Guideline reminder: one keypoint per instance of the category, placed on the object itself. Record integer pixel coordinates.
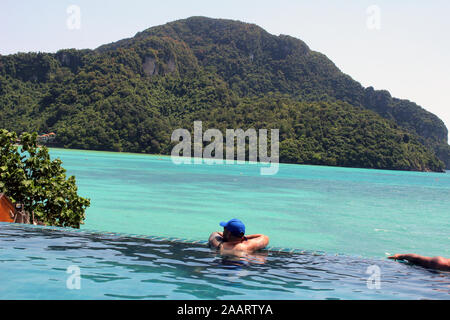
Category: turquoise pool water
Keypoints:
(35, 261)
(359, 212)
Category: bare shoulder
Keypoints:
(240, 246)
(233, 248)
(440, 260)
(440, 263)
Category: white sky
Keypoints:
(408, 55)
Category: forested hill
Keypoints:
(130, 95)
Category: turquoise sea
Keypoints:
(361, 212)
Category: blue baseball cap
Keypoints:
(235, 226)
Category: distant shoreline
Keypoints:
(246, 161)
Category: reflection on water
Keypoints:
(36, 262)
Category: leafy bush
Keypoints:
(28, 176)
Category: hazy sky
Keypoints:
(402, 46)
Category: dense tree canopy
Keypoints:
(29, 177)
(130, 96)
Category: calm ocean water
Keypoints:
(346, 219)
(361, 212)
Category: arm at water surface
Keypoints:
(215, 239)
(438, 263)
(256, 242)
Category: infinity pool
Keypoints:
(34, 264)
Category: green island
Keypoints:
(130, 95)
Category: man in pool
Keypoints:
(438, 263)
(233, 239)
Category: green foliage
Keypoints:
(130, 95)
(28, 176)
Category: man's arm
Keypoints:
(253, 236)
(413, 258)
(427, 262)
(256, 242)
(215, 239)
